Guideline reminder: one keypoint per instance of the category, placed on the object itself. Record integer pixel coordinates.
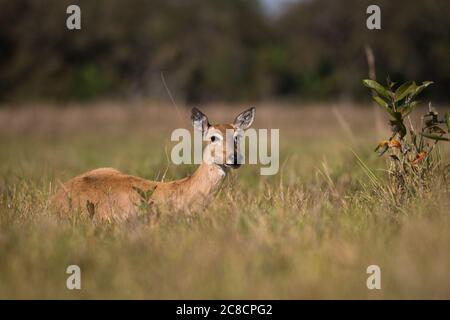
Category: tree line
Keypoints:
(210, 50)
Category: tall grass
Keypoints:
(309, 232)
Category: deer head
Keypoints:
(223, 140)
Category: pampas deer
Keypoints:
(108, 193)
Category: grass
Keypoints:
(309, 232)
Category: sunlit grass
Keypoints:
(308, 232)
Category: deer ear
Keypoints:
(199, 120)
(245, 119)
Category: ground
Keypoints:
(310, 231)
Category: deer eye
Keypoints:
(213, 138)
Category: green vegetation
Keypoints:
(308, 232)
(414, 157)
(216, 50)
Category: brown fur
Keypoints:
(114, 194)
(106, 193)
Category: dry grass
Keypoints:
(308, 232)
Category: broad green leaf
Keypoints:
(419, 89)
(381, 102)
(434, 137)
(372, 84)
(384, 104)
(404, 90)
(390, 83)
(410, 107)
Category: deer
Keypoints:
(107, 193)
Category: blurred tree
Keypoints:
(325, 40)
(216, 50)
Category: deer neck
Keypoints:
(205, 181)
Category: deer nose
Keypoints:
(234, 160)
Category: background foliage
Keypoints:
(216, 50)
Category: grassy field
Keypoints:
(308, 232)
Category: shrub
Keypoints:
(413, 156)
